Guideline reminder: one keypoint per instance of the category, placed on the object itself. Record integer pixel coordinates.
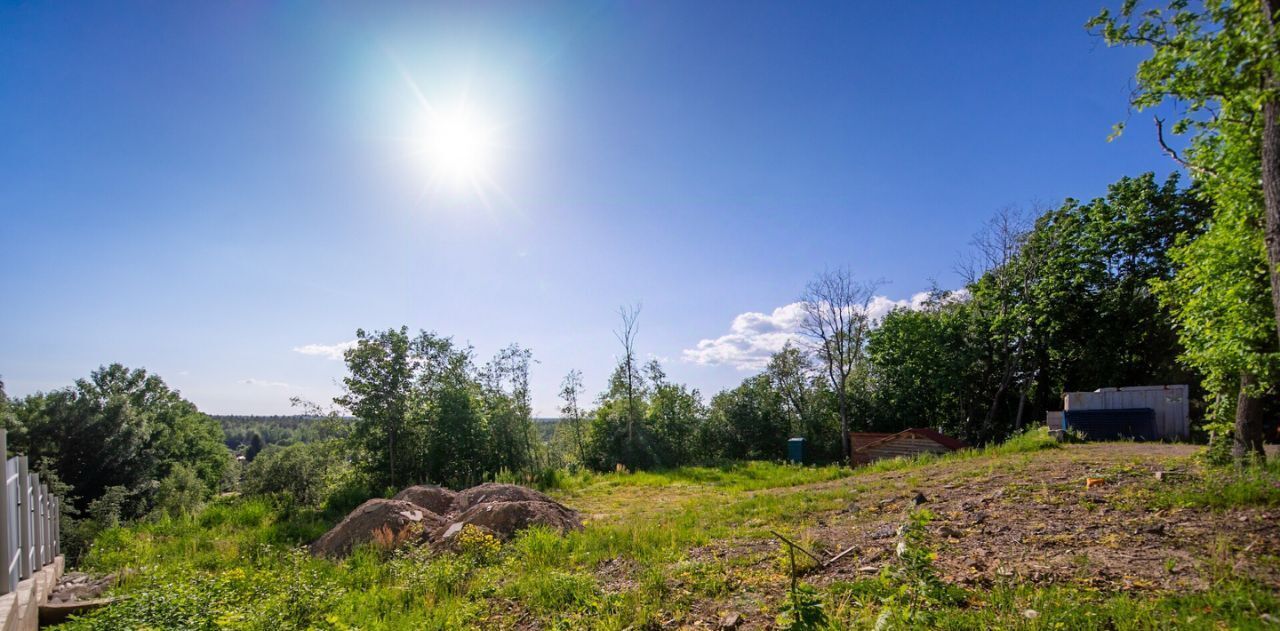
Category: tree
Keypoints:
(508, 410)
(837, 322)
(628, 372)
(305, 473)
(379, 391)
(1218, 63)
(747, 422)
(673, 414)
(1219, 300)
(570, 390)
(1000, 274)
(806, 401)
(122, 428)
(255, 447)
(926, 370)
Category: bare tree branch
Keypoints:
(1169, 151)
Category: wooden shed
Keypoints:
(909, 442)
(1169, 403)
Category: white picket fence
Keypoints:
(29, 522)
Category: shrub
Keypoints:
(302, 473)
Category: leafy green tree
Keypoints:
(508, 410)
(572, 412)
(119, 427)
(748, 422)
(180, 492)
(1217, 63)
(254, 448)
(673, 414)
(304, 473)
(1094, 318)
(808, 403)
(924, 365)
(379, 391)
(1225, 322)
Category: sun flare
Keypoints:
(459, 145)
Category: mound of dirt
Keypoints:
(494, 492)
(503, 519)
(433, 498)
(360, 525)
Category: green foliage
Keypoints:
(180, 493)
(1223, 487)
(425, 413)
(304, 473)
(119, 428)
(1216, 62)
(1063, 304)
(803, 609)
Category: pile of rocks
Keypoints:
(435, 515)
(76, 593)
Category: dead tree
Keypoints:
(836, 321)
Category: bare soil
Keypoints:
(1022, 519)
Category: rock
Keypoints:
(493, 492)
(919, 499)
(731, 620)
(360, 525)
(433, 498)
(504, 519)
(883, 532)
(56, 613)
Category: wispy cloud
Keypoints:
(262, 383)
(330, 351)
(753, 336)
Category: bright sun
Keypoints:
(459, 145)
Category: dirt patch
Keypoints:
(1040, 524)
(1018, 519)
(433, 498)
(396, 516)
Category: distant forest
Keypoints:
(238, 430)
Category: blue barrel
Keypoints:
(795, 450)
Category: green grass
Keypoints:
(1222, 488)
(643, 560)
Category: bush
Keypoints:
(180, 493)
(302, 473)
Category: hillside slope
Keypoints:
(1019, 542)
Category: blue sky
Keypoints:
(218, 191)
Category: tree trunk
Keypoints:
(1271, 176)
(844, 426)
(1248, 430)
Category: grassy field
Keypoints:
(1009, 538)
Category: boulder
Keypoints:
(360, 525)
(505, 518)
(433, 498)
(494, 492)
(52, 613)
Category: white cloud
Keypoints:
(754, 336)
(261, 383)
(330, 351)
